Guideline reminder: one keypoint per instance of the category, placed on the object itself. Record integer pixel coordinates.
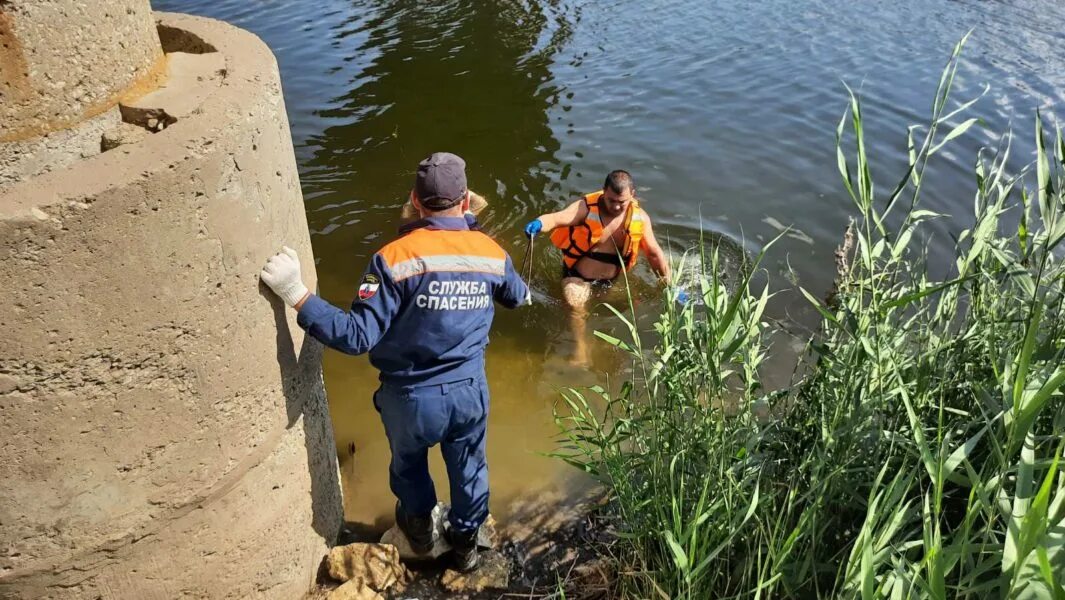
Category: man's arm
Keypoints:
(355, 331)
(513, 292)
(655, 256)
(573, 214)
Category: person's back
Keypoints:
(449, 279)
(422, 311)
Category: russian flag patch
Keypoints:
(369, 286)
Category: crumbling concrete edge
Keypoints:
(244, 53)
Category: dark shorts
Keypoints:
(571, 272)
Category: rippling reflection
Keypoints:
(463, 76)
(725, 112)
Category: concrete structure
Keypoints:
(165, 432)
(64, 66)
(62, 61)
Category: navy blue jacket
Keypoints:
(425, 304)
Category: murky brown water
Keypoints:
(724, 112)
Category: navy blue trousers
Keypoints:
(454, 415)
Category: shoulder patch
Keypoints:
(369, 286)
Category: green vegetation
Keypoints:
(917, 454)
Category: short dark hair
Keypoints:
(619, 181)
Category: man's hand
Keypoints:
(282, 275)
(534, 227)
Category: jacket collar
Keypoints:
(442, 223)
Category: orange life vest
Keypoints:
(578, 240)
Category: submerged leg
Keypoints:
(576, 292)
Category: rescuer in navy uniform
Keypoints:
(422, 311)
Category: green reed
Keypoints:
(917, 453)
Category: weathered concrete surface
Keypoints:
(165, 430)
(64, 61)
(56, 150)
(64, 67)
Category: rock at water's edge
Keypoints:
(374, 565)
(493, 573)
(396, 537)
(354, 590)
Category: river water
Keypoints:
(724, 112)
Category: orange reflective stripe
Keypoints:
(434, 242)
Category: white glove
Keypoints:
(282, 274)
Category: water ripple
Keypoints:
(725, 108)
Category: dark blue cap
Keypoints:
(441, 181)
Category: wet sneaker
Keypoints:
(464, 550)
(418, 529)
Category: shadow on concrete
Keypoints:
(304, 389)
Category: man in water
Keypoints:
(422, 311)
(600, 236)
